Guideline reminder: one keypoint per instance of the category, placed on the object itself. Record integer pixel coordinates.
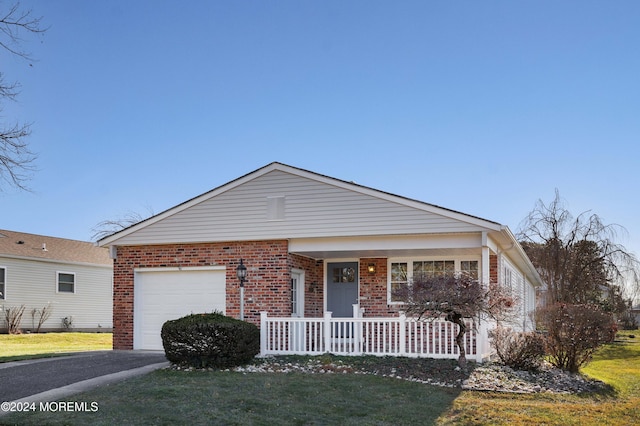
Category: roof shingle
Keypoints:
(20, 244)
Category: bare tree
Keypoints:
(455, 297)
(111, 226)
(578, 257)
(16, 159)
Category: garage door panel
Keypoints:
(165, 295)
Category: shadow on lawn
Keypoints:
(619, 349)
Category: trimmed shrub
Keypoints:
(210, 340)
(518, 350)
(574, 333)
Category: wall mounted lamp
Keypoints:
(241, 273)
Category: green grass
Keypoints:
(169, 397)
(230, 398)
(15, 347)
(617, 364)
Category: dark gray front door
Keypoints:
(342, 288)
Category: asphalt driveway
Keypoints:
(54, 378)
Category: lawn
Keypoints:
(15, 347)
(234, 398)
(617, 364)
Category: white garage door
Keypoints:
(162, 295)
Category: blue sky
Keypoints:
(479, 106)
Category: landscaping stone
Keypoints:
(480, 377)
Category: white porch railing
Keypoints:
(398, 336)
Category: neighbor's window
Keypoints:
(66, 282)
(402, 272)
(2, 283)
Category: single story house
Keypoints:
(72, 279)
(322, 256)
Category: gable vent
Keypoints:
(275, 208)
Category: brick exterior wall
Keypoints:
(268, 285)
(493, 268)
(313, 284)
(267, 265)
(373, 287)
(373, 290)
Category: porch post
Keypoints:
(482, 336)
(402, 323)
(357, 330)
(263, 333)
(327, 331)
(356, 310)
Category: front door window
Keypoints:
(342, 288)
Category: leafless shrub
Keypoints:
(518, 350)
(455, 297)
(574, 333)
(13, 318)
(41, 315)
(67, 323)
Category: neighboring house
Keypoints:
(635, 313)
(73, 279)
(316, 249)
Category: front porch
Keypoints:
(388, 336)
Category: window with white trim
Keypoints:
(66, 282)
(470, 268)
(3, 275)
(401, 272)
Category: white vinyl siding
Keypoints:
(513, 281)
(280, 205)
(529, 305)
(34, 284)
